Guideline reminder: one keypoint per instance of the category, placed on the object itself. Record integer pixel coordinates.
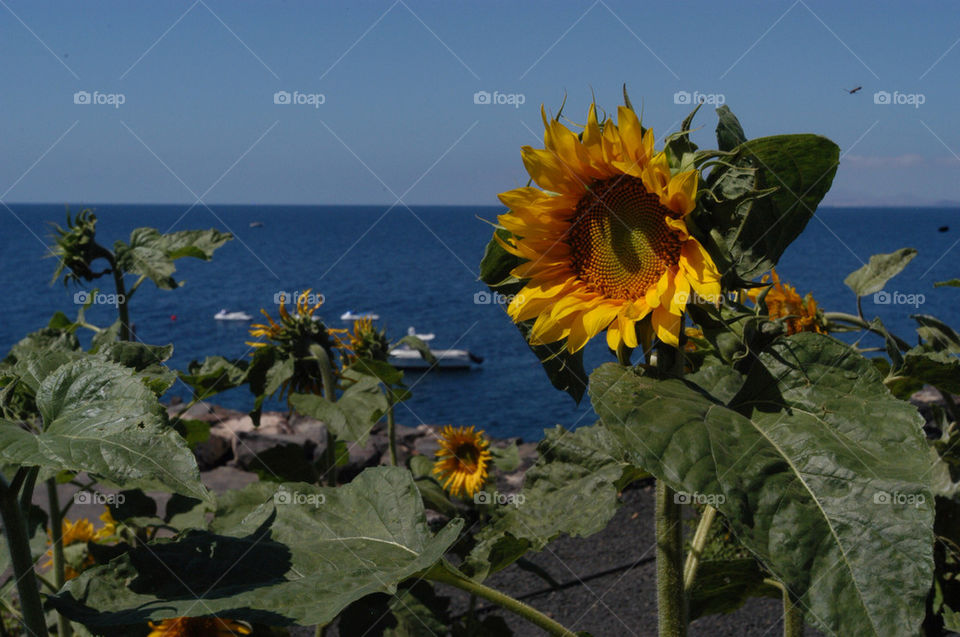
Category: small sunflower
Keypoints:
(293, 337)
(783, 301)
(366, 341)
(198, 627)
(463, 459)
(79, 533)
(605, 240)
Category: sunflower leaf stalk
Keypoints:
(18, 544)
(56, 538)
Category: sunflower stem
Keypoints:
(59, 564)
(669, 535)
(18, 544)
(123, 311)
(697, 545)
(792, 616)
(623, 354)
(671, 599)
(446, 575)
(391, 429)
(330, 393)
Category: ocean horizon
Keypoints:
(417, 267)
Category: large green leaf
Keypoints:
(565, 370)
(353, 414)
(152, 254)
(572, 490)
(881, 268)
(821, 473)
(300, 557)
(755, 231)
(99, 417)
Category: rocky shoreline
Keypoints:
(234, 442)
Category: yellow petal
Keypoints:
(666, 326)
(682, 192)
(549, 172)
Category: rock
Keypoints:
(363, 456)
(213, 452)
(223, 479)
(252, 444)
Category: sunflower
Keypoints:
(198, 627)
(605, 240)
(77, 533)
(292, 338)
(783, 301)
(366, 341)
(462, 460)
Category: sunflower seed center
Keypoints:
(620, 242)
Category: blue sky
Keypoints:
(398, 118)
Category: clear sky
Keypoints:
(397, 82)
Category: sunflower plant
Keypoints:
(648, 246)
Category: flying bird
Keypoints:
(853, 90)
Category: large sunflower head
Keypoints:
(293, 337)
(801, 314)
(462, 460)
(198, 627)
(75, 536)
(605, 241)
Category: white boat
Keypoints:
(224, 315)
(408, 358)
(350, 315)
(422, 337)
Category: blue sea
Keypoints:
(419, 267)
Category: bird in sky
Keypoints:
(853, 90)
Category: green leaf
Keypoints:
(572, 490)
(100, 418)
(148, 360)
(416, 343)
(937, 334)
(565, 370)
(505, 459)
(880, 269)
(821, 473)
(214, 375)
(152, 254)
(753, 229)
(354, 413)
(415, 611)
(951, 283)
(922, 366)
(300, 558)
(723, 586)
(729, 131)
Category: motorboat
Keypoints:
(224, 315)
(423, 337)
(406, 357)
(350, 315)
